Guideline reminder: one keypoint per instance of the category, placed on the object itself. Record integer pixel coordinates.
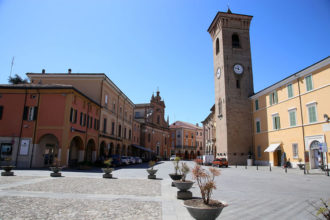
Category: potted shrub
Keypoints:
(151, 170)
(7, 168)
(56, 168)
(300, 165)
(176, 176)
(183, 185)
(107, 170)
(205, 208)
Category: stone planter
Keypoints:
(56, 171)
(175, 177)
(183, 187)
(7, 170)
(198, 210)
(107, 172)
(152, 173)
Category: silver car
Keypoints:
(125, 160)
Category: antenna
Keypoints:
(12, 64)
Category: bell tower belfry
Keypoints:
(233, 85)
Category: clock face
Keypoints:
(238, 69)
(218, 73)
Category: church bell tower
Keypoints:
(233, 85)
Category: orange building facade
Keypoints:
(39, 123)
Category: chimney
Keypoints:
(69, 71)
(43, 71)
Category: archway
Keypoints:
(46, 151)
(75, 155)
(111, 149)
(90, 148)
(123, 150)
(118, 149)
(186, 155)
(103, 148)
(192, 155)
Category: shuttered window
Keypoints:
(256, 102)
(290, 91)
(293, 120)
(309, 83)
(258, 126)
(1, 112)
(312, 113)
(276, 122)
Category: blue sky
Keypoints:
(145, 44)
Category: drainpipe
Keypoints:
(21, 129)
(98, 130)
(35, 129)
(302, 124)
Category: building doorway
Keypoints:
(316, 155)
(75, 146)
(278, 157)
(47, 151)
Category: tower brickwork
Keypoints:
(233, 85)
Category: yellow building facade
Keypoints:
(291, 119)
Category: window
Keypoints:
(95, 124)
(71, 115)
(85, 119)
(104, 125)
(258, 126)
(259, 151)
(273, 98)
(30, 113)
(114, 106)
(276, 122)
(75, 116)
(235, 41)
(129, 134)
(88, 121)
(217, 46)
(292, 116)
(91, 122)
(124, 132)
(158, 119)
(256, 104)
(290, 91)
(309, 83)
(6, 149)
(312, 117)
(81, 118)
(220, 108)
(295, 150)
(238, 84)
(149, 137)
(106, 99)
(112, 128)
(119, 131)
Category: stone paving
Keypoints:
(250, 193)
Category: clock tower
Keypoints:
(233, 85)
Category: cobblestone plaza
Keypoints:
(250, 193)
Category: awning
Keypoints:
(142, 148)
(272, 147)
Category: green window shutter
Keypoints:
(290, 91)
(274, 123)
(278, 122)
(309, 84)
(293, 118)
(312, 114)
(275, 97)
(270, 99)
(257, 104)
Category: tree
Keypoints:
(17, 80)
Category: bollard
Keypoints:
(327, 170)
(245, 166)
(286, 169)
(257, 166)
(304, 169)
(270, 167)
(236, 165)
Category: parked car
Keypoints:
(125, 160)
(172, 157)
(220, 162)
(116, 160)
(131, 160)
(138, 160)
